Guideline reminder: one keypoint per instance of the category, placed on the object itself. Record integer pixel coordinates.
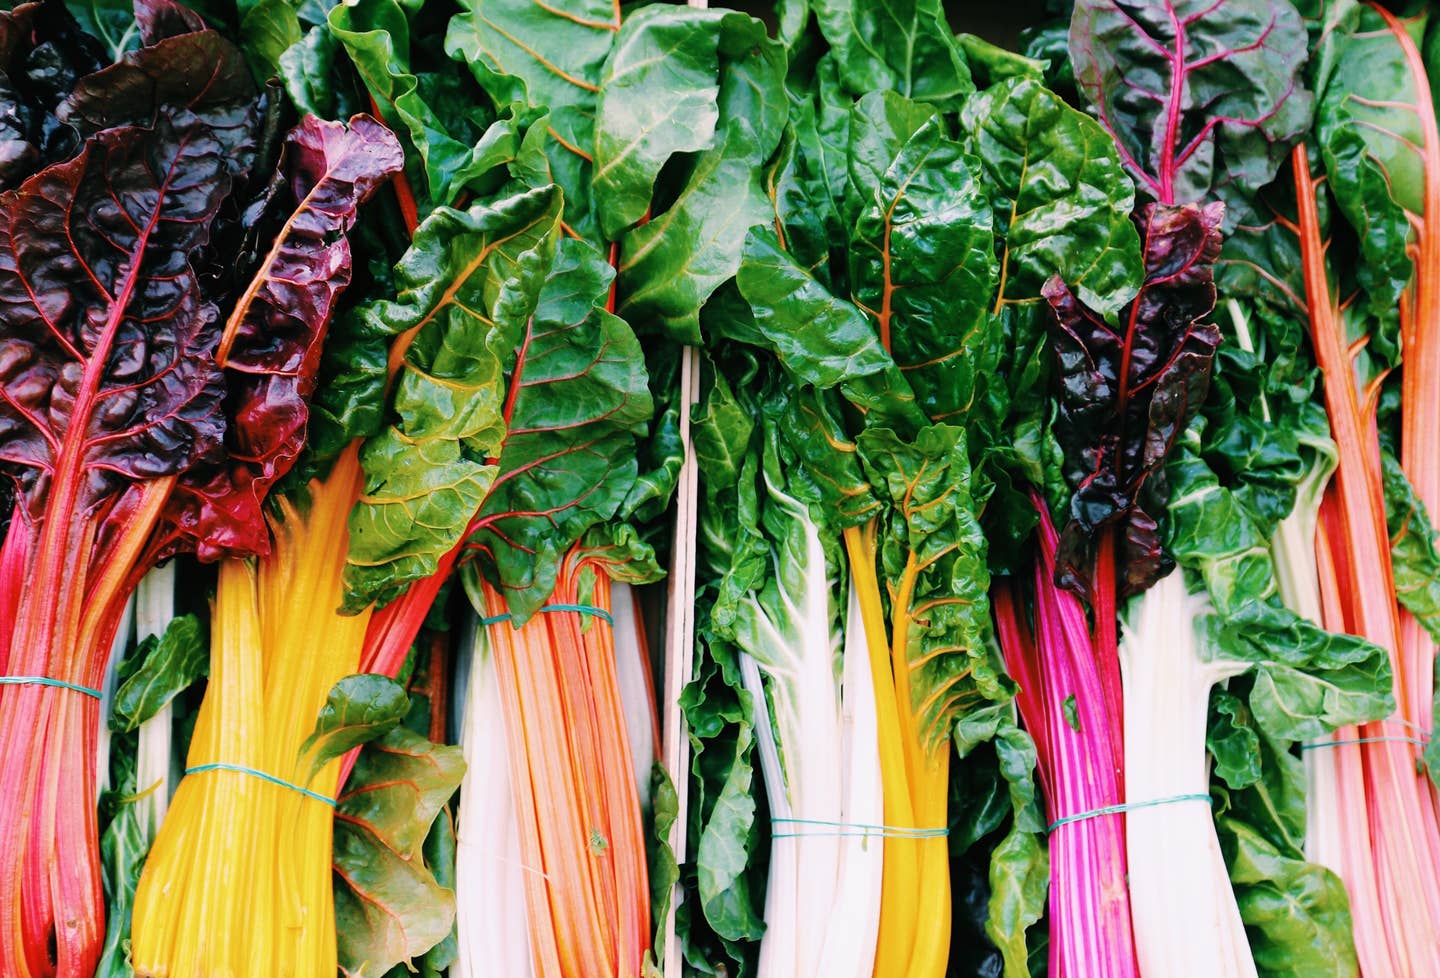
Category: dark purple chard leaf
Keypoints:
(270, 347)
(163, 75)
(1199, 94)
(94, 265)
(577, 400)
(1128, 392)
(43, 53)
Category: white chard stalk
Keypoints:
(490, 916)
(637, 691)
(819, 756)
(1186, 921)
(107, 697)
(154, 777)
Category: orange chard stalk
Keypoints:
(575, 796)
(1402, 916)
(1420, 377)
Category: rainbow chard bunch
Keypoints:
(1202, 100)
(149, 400)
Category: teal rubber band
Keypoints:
(238, 769)
(1366, 740)
(47, 681)
(584, 609)
(1128, 807)
(854, 829)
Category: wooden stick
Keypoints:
(680, 636)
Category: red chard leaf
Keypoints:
(1128, 392)
(43, 53)
(1198, 93)
(270, 347)
(162, 76)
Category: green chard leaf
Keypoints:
(578, 399)
(1370, 140)
(157, 671)
(1297, 914)
(1019, 864)
(902, 46)
(469, 285)
(550, 59)
(389, 905)
(670, 265)
(439, 119)
(932, 537)
(1307, 681)
(922, 259)
(821, 340)
(1062, 198)
(357, 710)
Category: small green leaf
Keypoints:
(357, 710)
(157, 671)
(1072, 715)
(389, 905)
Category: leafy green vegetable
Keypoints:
(1224, 110)
(157, 671)
(357, 710)
(389, 905)
(577, 400)
(469, 285)
(904, 47)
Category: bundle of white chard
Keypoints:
(815, 720)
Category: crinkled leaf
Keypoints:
(1307, 681)
(932, 533)
(1198, 94)
(578, 398)
(670, 265)
(94, 270)
(1019, 865)
(1062, 198)
(922, 258)
(1128, 392)
(547, 57)
(157, 671)
(43, 53)
(664, 871)
(1370, 140)
(658, 96)
(821, 340)
(719, 714)
(389, 907)
(376, 35)
(1296, 914)
(272, 340)
(1232, 740)
(1412, 548)
(811, 177)
(357, 710)
(903, 46)
(167, 74)
(469, 285)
